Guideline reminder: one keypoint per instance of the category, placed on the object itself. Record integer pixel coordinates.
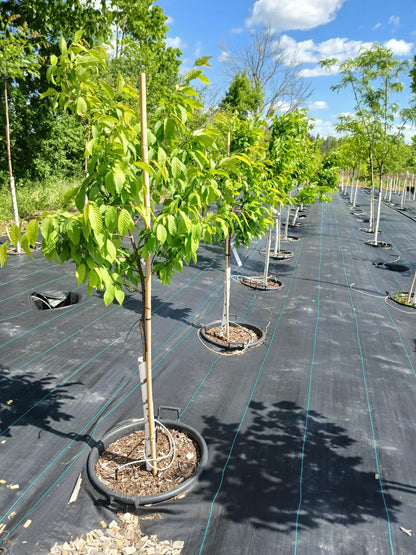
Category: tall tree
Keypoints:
(374, 77)
(17, 58)
(270, 65)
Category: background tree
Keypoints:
(17, 58)
(373, 76)
(242, 95)
(270, 66)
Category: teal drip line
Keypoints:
(23, 277)
(248, 403)
(67, 310)
(390, 316)
(309, 391)
(97, 415)
(31, 290)
(15, 316)
(366, 392)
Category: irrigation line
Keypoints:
(305, 431)
(97, 419)
(25, 276)
(366, 389)
(40, 285)
(230, 452)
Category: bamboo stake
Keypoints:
(227, 267)
(148, 276)
(9, 163)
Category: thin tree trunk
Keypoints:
(9, 163)
(147, 346)
(267, 258)
(409, 296)
(371, 223)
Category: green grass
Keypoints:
(34, 199)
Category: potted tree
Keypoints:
(141, 212)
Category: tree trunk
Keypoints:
(9, 163)
(147, 309)
(267, 257)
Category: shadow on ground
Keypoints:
(261, 483)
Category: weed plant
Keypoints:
(35, 198)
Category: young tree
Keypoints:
(242, 96)
(117, 239)
(18, 57)
(374, 79)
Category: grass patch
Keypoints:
(35, 198)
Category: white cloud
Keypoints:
(394, 20)
(294, 14)
(324, 128)
(377, 26)
(281, 107)
(318, 105)
(400, 47)
(175, 42)
(170, 21)
(310, 52)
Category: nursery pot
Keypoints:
(124, 430)
(258, 284)
(232, 346)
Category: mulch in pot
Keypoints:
(272, 283)
(134, 479)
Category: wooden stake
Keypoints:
(148, 275)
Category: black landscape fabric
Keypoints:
(311, 435)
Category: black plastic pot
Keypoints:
(258, 285)
(232, 346)
(381, 244)
(398, 300)
(280, 255)
(128, 428)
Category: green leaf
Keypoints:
(161, 234)
(109, 294)
(124, 222)
(93, 216)
(81, 108)
(120, 83)
(62, 45)
(3, 253)
(81, 273)
(111, 250)
(203, 61)
(169, 129)
(110, 218)
(15, 234)
(107, 89)
(119, 178)
(171, 222)
(32, 232)
(119, 295)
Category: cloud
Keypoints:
(286, 15)
(175, 42)
(324, 128)
(318, 105)
(400, 47)
(169, 21)
(394, 20)
(377, 26)
(310, 52)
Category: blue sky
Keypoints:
(315, 29)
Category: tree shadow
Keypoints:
(25, 400)
(261, 484)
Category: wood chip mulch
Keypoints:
(238, 334)
(118, 538)
(133, 479)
